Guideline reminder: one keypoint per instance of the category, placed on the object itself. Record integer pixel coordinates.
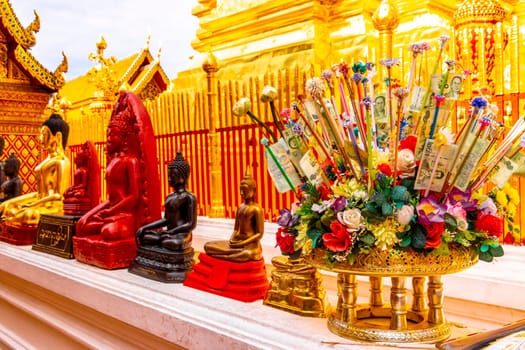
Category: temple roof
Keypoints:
(137, 70)
(17, 41)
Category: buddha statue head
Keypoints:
(247, 187)
(12, 166)
(54, 126)
(178, 171)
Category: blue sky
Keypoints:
(74, 26)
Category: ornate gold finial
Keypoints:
(210, 65)
(479, 11)
(148, 40)
(158, 54)
(101, 45)
(34, 26)
(386, 16)
(63, 67)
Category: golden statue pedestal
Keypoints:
(396, 321)
(296, 287)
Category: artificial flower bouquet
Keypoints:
(397, 180)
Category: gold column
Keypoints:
(376, 291)
(210, 66)
(436, 314)
(418, 290)
(385, 20)
(347, 293)
(398, 301)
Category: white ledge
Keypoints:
(93, 307)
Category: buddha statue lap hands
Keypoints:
(244, 244)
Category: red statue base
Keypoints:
(243, 281)
(18, 235)
(77, 208)
(112, 255)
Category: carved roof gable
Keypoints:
(16, 62)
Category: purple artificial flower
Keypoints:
(356, 77)
(327, 74)
(463, 197)
(430, 211)
(479, 102)
(298, 129)
(286, 219)
(339, 204)
(389, 62)
(367, 102)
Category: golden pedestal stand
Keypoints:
(396, 321)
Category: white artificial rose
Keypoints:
(405, 214)
(351, 218)
(406, 163)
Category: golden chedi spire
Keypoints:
(479, 11)
(386, 16)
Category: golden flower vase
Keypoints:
(397, 321)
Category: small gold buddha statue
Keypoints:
(244, 243)
(52, 176)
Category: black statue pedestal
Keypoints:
(161, 264)
(54, 235)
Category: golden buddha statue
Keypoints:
(52, 176)
(244, 244)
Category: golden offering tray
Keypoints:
(396, 321)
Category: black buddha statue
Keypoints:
(164, 246)
(12, 186)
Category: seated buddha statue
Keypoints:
(244, 243)
(132, 183)
(180, 213)
(235, 268)
(164, 250)
(12, 186)
(52, 179)
(84, 194)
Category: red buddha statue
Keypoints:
(235, 268)
(165, 253)
(84, 194)
(105, 235)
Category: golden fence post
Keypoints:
(210, 66)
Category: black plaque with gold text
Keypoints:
(55, 235)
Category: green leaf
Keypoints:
(419, 239)
(400, 193)
(386, 209)
(314, 234)
(405, 242)
(484, 248)
(328, 217)
(450, 222)
(496, 251)
(368, 238)
(486, 256)
(380, 198)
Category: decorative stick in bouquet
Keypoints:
(315, 88)
(343, 69)
(349, 126)
(443, 39)
(401, 94)
(242, 107)
(509, 147)
(269, 94)
(416, 49)
(278, 164)
(478, 106)
(389, 63)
